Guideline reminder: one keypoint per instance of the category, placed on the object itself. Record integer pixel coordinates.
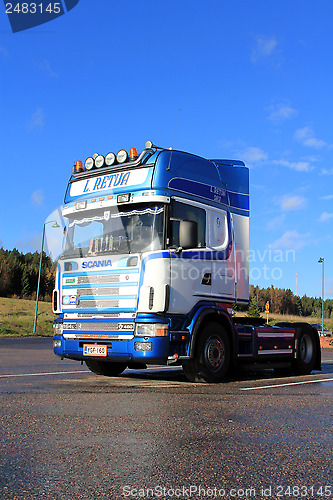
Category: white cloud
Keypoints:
(291, 240)
(328, 197)
(307, 137)
(276, 222)
(37, 120)
(325, 216)
(293, 202)
(265, 47)
(37, 198)
(253, 154)
(281, 112)
(299, 166)
(325, 171)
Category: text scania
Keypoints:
(96, 263)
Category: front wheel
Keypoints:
(306, 352)
(212, 356)
(105, 368)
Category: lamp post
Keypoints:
(322, 261)
(55, 224)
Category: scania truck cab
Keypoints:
(155, 255)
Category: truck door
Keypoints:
(223, 266)
(191, 269)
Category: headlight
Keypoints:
(57, 343)
(151, 330)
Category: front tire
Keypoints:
(212, 356)
(105, 368)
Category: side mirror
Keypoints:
(188, 234)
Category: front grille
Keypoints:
(102, 327)
(98, 291)
(99, 304)
(109, 278)
(104, 315)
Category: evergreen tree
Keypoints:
(253, 309)
(26, 289)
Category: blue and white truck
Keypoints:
(155, 256)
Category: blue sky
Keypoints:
(250, 80)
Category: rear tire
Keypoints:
(212, 356)
(306, 352)
(105, 368)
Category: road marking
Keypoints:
(287, 384)
(43, 373)
(40, 374)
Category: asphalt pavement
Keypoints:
(69, 434)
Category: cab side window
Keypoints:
(182, 211)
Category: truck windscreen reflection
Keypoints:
(114, 232)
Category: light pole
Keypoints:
(55, 224)
(322, 261)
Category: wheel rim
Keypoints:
(214, 354)
(306, 348)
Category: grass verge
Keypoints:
(17, 317)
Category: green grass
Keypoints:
(17, 318)
(276, 318)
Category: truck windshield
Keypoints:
(115, 231)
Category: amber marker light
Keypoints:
(78, 168)
(133, 154)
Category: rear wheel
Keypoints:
(306, 352)
(105, 368)
(212, 356)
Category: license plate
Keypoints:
(95, 350)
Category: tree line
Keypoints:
(19, 278)
(19, 275)
(283, 301)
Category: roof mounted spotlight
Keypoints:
(122, 156)
(150, 145)
(99, 161)
(110, 159)
(89, 163)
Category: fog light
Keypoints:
(143, 346)
(57, 344)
